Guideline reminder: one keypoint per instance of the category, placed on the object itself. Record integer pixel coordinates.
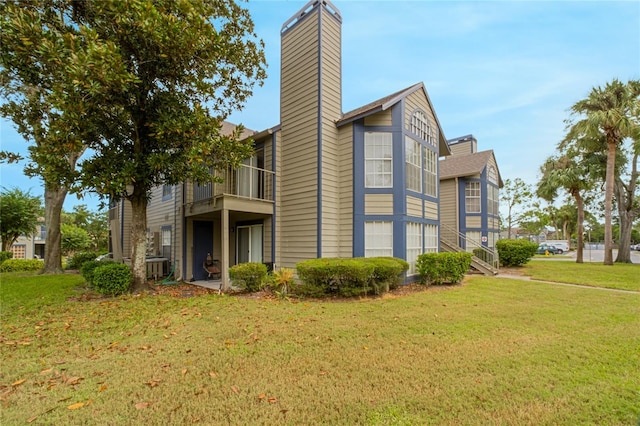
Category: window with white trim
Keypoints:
(430, 172)
(492, 175)
(430, 238)
(420, 125)
(414, 245)
(378, 238)
(472, 197)
(378, 160)
(493, 203)
(413, 164)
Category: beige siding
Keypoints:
(382, 118)
(345, 143)
(493, 223)
(463, 148)
(430, 210)
(414, 206)
(448, 203)
(298, 113)
(378, 204)
(331, 111)
(473, 222)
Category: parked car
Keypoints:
(546, 248)
(636, 247)
(105, 256)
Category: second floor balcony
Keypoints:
(246, 182)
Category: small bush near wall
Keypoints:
(439, 268)
(88, 268)
(79, 258)
(387, 273)
(14, 265)
(112, 279)
(248, 276)
(4, 255)
(346, 277)
(515, 252)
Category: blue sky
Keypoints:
(506, 72)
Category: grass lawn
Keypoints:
(624, 276)
(491, 351)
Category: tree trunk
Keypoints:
(608, 202)
(580, 248)
(626, 217)
(53, 201)
(139, 242)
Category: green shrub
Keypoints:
(79, 258)
(515, 252)
(346, 277)
(112, 278)
(248, 276)
(438, 268)
(387, 273)
(87, 269)
(14, 265)
(4, 255)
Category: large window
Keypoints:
(430, 173)
(493, 204)
(414, 244)
(378, 162)
(166, 242)
(472, 197)
(430, 238)
(413, 164)
(378, 238)
(420, 125)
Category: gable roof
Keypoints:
(387, 102)
(467, 165)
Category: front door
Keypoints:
(249, 244)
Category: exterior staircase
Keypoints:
(483, 259)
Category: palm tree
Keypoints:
(565, 172)
(608, 112)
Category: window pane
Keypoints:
(378, 239)
(378, 165)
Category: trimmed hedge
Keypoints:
(112, 279)
(79, 259)
(88, 268)
(248, 276)
(387, 273)
(515, 252)
(14, 265)
(349, 277)
(346, 277)
(438, 268)
(5, 255)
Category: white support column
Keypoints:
(225, 249)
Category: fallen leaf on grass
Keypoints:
(76, 406)
(47, 371)
(73, 380)
(262, 396)
(153, 383)
(102, 388)
(213, 374)
(141, 405)
(235, 390)
(18, 382)
(272, 400)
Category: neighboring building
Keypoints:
(322, 183)
(469, 199)
(32, 246)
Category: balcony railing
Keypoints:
(246, 182)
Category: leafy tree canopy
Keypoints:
(18, 215)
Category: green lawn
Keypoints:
(624, 276)
(491, 351)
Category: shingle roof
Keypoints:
(228, 128)
(465, 165)
(378, 105)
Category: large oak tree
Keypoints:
(178, 67)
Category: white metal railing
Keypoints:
(245, 182)
(460, 240)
